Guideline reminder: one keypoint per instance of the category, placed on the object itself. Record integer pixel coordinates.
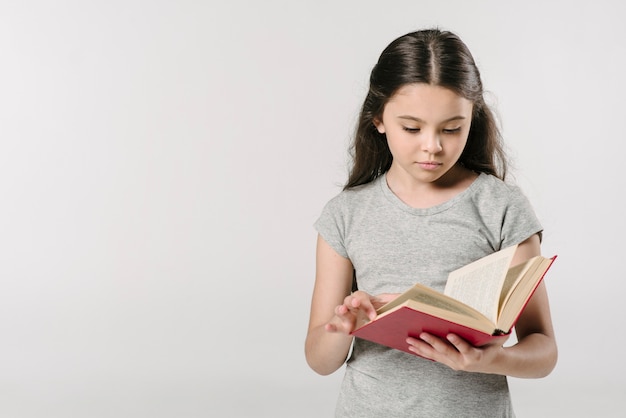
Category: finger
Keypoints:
(356, 299)
(459, 343)
(440, 345)
(344, 320)
(421, 348)
(385, 297)
(369, 311)
(341, 310)
(366, 304)
(361, 301)
(339, 325)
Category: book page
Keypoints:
(479, 284)
(532, 271)
(426, 295)
(446, 304)
(468, 318)
(427, 300)
(513, 277)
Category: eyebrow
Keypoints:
(415, 119)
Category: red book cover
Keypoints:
(393, 329)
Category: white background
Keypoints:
(162, 164)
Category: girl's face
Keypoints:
(427, 128)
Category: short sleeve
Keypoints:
(520, 221)
(331, 225)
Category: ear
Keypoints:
(380, 126)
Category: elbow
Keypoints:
(552, 360)
(319, 366)
(549, 362)
(535, 357)
(322, 371)
(320, 363)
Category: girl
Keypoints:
(425, 196)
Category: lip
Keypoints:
(429, 165)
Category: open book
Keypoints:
(481, 303)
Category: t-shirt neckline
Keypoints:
(397, 202)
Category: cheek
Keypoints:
(459, 145)
(398, 147)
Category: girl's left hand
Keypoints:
(455, 352)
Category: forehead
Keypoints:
(428, 102)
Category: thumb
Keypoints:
(387, 297)
(383, 299)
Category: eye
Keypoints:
(452, 131)
(411, 130)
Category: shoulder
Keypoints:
(339, 214)
(497, 199)
(492, 189)
(507, 208)
(356, 197)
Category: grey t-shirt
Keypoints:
(392, 246)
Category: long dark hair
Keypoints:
(434, 57)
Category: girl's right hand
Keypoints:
(357, 309)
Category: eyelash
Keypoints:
(445, 131)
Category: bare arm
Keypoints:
(534, 355)
(326, 352)
(335, 310)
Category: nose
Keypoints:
(432, 143)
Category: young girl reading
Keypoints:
(426, 195)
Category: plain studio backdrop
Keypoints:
(162, 164)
